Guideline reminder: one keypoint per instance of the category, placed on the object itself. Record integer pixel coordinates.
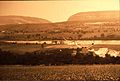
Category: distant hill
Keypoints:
(98, 16)
(21, 20)
(85, 25)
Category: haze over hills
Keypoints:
(98, 16)
(21, 20)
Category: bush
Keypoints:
(55, 57)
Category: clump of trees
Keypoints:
(55, 57)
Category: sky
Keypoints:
(55, 11)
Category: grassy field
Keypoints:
(67, 72)
(114, 47)
(20, 48)
(23, 48)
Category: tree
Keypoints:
(102, 35)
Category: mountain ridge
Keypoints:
(96, 16)
(14, 19)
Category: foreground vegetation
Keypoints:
(55, 57)
(70, 72)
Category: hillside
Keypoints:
(20, 20)
(98, 16)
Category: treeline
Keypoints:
(55, 57)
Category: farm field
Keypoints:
(23, 48)
(67, 72)
(114, 47)
(20, 48)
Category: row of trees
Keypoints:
(54, 57)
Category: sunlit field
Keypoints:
(20, 48)
(23, 48)
(67, 72)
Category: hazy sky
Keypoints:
(55, 11)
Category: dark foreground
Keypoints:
(67, 72)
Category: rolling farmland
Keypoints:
(86, 27)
